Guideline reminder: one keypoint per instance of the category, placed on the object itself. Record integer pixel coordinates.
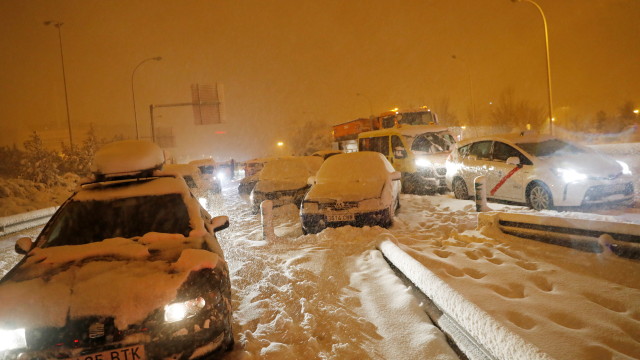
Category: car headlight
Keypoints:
(220, 176)
(626, 170)
(423, 163)
(182, 310)
(570, 175)
(12, 339)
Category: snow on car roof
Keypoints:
(127, 157)
(406, 130)
(358, 166)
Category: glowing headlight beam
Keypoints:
(182, 310)
(570, 175)
(626, 170)
(423, 163)
(12, 339)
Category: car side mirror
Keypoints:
(219, 223)
(311, 180)
(23, 245)
(513, 160)
(396, 176)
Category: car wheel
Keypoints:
(539, 198)
(460, 190)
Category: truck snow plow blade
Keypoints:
(622, 239)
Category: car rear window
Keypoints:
(83, 222)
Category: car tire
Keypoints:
(460, 190)
(539, 197)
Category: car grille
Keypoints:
(608, 177)
(338, 205)
(91, 331)
(598, 192)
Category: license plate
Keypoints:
(341, 217)
(127, 353)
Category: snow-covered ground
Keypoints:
(332, 295)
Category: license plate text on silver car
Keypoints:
(341, 217)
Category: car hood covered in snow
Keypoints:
(347, 191)
(126, 279)
(267, 186)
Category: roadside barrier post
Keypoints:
(481, 194)
(266, 212)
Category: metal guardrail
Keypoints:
(14, 223)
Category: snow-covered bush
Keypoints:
(39, 164)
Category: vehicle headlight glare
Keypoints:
(423, 163)
(182, 310)
(12, 339)
(220, 176)
(626, 170)
(570, 175)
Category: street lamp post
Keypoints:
(133, 93)
(473, 106)
(546, 41)
(369, 100)
(58, 25)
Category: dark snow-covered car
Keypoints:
(252, 170)
(541, 171)
(357, 189)
(209, 174)
(128, 268)
(284, 180)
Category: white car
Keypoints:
(284, 180)
(358, 189)
(541, 171)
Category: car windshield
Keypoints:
(83, 222)
(550, 147)
(433, 142)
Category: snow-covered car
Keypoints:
(540, 171)
(199, 186)
(284, 180)
(357, 189)
(252, 170)
(129, 267)
(209, 173)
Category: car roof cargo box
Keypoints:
(127, 159)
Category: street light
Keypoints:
(546, 41)
(369, 100)
(58, 25)
(133, 93)
(473, 106)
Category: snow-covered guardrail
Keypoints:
(13, 223)
(622, 239)
(489, 338)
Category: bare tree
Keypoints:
(509, 112)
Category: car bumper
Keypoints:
(314, 223)
(594, 193)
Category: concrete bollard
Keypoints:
(266, 212)
(481, 194)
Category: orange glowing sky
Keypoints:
(283, 62)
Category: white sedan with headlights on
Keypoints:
(541, 171)
(357, 189)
